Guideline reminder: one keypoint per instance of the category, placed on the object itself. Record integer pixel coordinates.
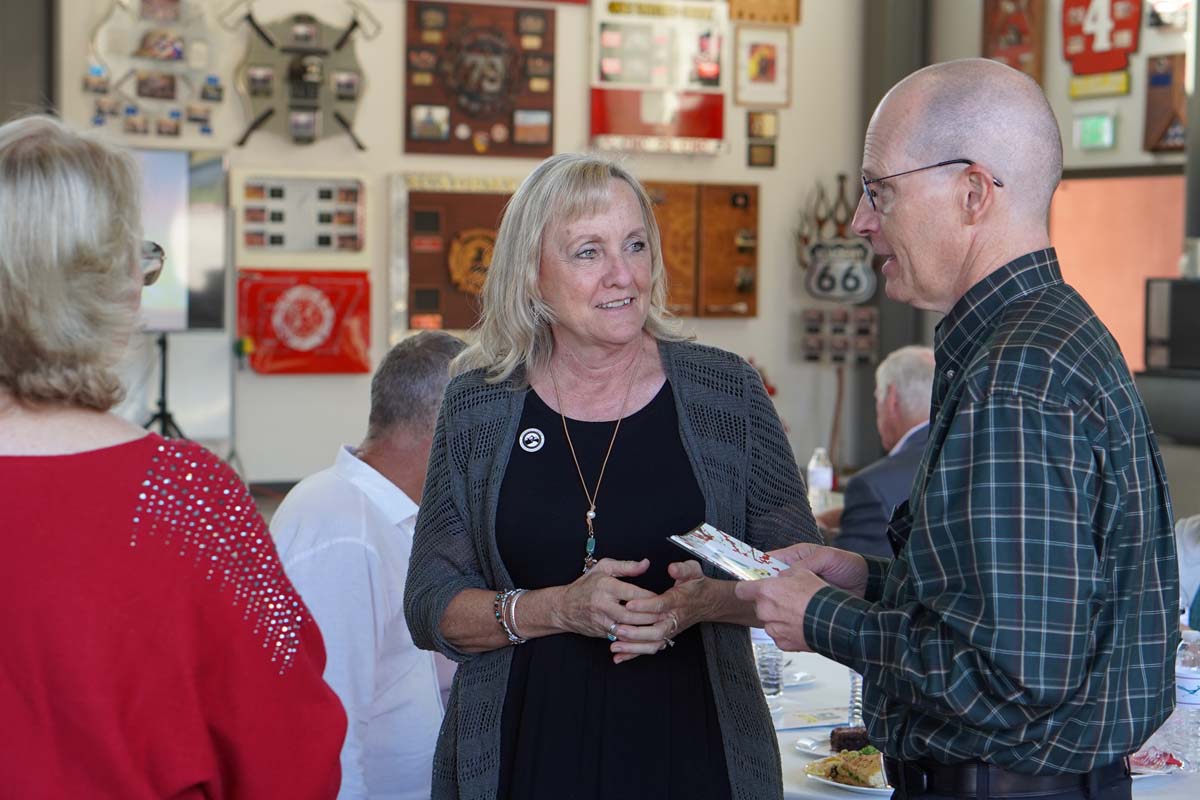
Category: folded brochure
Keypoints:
(729, 554)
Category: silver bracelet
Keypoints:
(512, 616)
(504, 606)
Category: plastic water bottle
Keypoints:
(820, 480)
(769, 659)
(856, 700)
(1184, 725)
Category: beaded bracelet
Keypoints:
(502, 606)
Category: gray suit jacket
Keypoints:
(873, 493)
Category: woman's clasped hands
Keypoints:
(636, 621)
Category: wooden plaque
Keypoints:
(728, 263)
(768, 12)
(675, 212)
(449, 250)
(1166, 104)
(479, 80)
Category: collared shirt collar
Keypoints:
(397, 505)
(956, 335)
(908, 435)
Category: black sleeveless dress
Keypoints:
(575, 724)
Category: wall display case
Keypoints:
(479, 80)
(151, 69)
(1014, 34)
(443, 232)
(658, 77)
(290, 219)
(710, 247)
(301, 78)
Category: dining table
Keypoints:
(815, 686)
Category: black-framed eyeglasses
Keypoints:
(870, 193)
(153, 258)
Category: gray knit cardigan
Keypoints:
(752, 489)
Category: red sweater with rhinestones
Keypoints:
(150, 644)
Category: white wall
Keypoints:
(289, 426)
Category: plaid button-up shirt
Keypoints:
(1031, 617)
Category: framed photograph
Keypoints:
(160, 10)
(760, 154)
(160, 44)
(260, 81)
(156, 85)
(345, 84)
(762, 125)
(763, 66)
(429, 123)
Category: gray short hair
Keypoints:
(910, 369)
(408, 385)
(514, 328)
(70, 233)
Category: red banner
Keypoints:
(304, 321)
(1099, 35)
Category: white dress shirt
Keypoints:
(344, 536)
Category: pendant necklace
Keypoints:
(589, 557)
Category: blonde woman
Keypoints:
(579, 433)
(153, 647)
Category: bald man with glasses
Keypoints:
(1021, 642)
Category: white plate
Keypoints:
(814, 746)
(793, 680)
(860, 789)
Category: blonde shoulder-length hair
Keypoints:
(514, 328)
(70, 235)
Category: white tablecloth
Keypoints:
(832, 688)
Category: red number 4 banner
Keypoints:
(1099, 35)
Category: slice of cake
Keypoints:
(846, 738)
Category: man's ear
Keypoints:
(978, 195)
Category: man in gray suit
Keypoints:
(903, 384)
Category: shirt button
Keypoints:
(950, 374)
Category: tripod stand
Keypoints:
(166, 423)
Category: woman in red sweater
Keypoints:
(150, 644)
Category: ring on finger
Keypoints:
(612, 632)
(674, 623)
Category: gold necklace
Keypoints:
(589, 557)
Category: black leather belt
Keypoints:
(911, 778)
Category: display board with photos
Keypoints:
(841, 335)
(297, 219)
(301, 77)
(658, 78)
(151, 69)
(479, 80)
(451, 236)
(1014, 33)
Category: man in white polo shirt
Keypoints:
(344, 536)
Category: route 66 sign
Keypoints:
(840, 270)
